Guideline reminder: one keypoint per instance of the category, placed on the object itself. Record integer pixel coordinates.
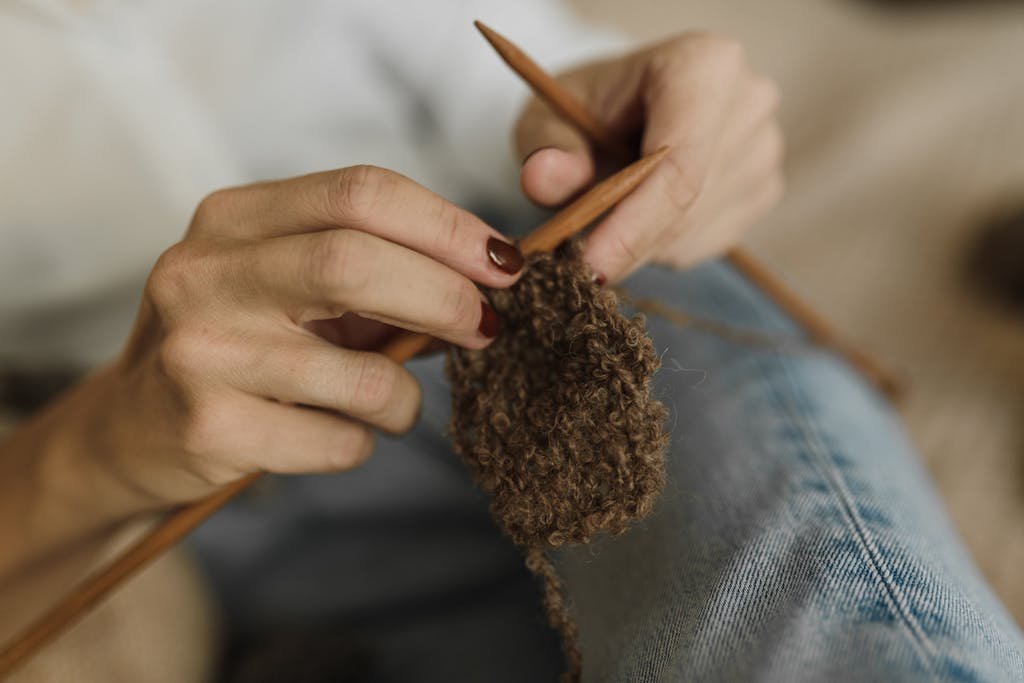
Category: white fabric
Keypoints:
(118, 116)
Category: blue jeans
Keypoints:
(798, 537)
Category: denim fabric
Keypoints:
(798, 538)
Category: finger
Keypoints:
(743, 170)
(621, 242)
(691, 83)
(322, 275)
(737, 175)
(303, 369)
(551, 176)
(624, 239)
(263, 435)
(735, 197)
(557, 161)
(378, 202)
(723, 232)
(753, 111)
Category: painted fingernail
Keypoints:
(599, 279)
(489, 323)
(504, 256)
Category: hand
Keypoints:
(256, 344)
(695, 93)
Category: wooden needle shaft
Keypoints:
(178, 523)
(566, 105)
(554, 94)
(175, 526)
(564, 224)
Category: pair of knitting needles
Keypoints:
(574, 112)
(180, 522)
(567, 222)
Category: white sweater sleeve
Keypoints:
(471, 94)
(119, 116)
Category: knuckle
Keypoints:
(212, 209)
(403, 412)
(357, 191)
(532, 115)
(407, 418)
(376, 385)
(460, 308)
(339, 264)
(362, 446)
(624, 244)
(449, 227)
(195, 355)
(203, 430)
(175, 357)
(685, 184)
(725, 51)
(169, 280)
(182, 356)
(354, 449)
(714, 49)
(181, 272)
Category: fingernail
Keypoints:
(504, 256)
(489, 323)
(530, 155)
(599, 279)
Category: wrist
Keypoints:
(58, 487)
(112, 448)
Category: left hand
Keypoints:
(695, 93)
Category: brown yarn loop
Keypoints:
(556, 420)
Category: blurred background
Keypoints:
(905, 129)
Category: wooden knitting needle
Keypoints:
(567, 222)
(565, 104)
(563, 225)
(168, 532)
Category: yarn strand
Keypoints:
(556, 419)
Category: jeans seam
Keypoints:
(865, 541)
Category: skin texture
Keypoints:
(252, 351)
(695, 93)
(255, 345)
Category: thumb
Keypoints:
(557, 160)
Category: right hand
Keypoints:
(229, 369)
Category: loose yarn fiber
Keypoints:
(556, 420)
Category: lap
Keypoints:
(797, 538)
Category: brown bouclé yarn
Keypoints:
(556, 419)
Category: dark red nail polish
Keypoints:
(489, 323)
(504, 256)
(600, 280)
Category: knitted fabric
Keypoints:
(556, 420)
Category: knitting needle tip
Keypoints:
(652, 159)
(505, 48)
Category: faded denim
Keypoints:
(798, 538)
